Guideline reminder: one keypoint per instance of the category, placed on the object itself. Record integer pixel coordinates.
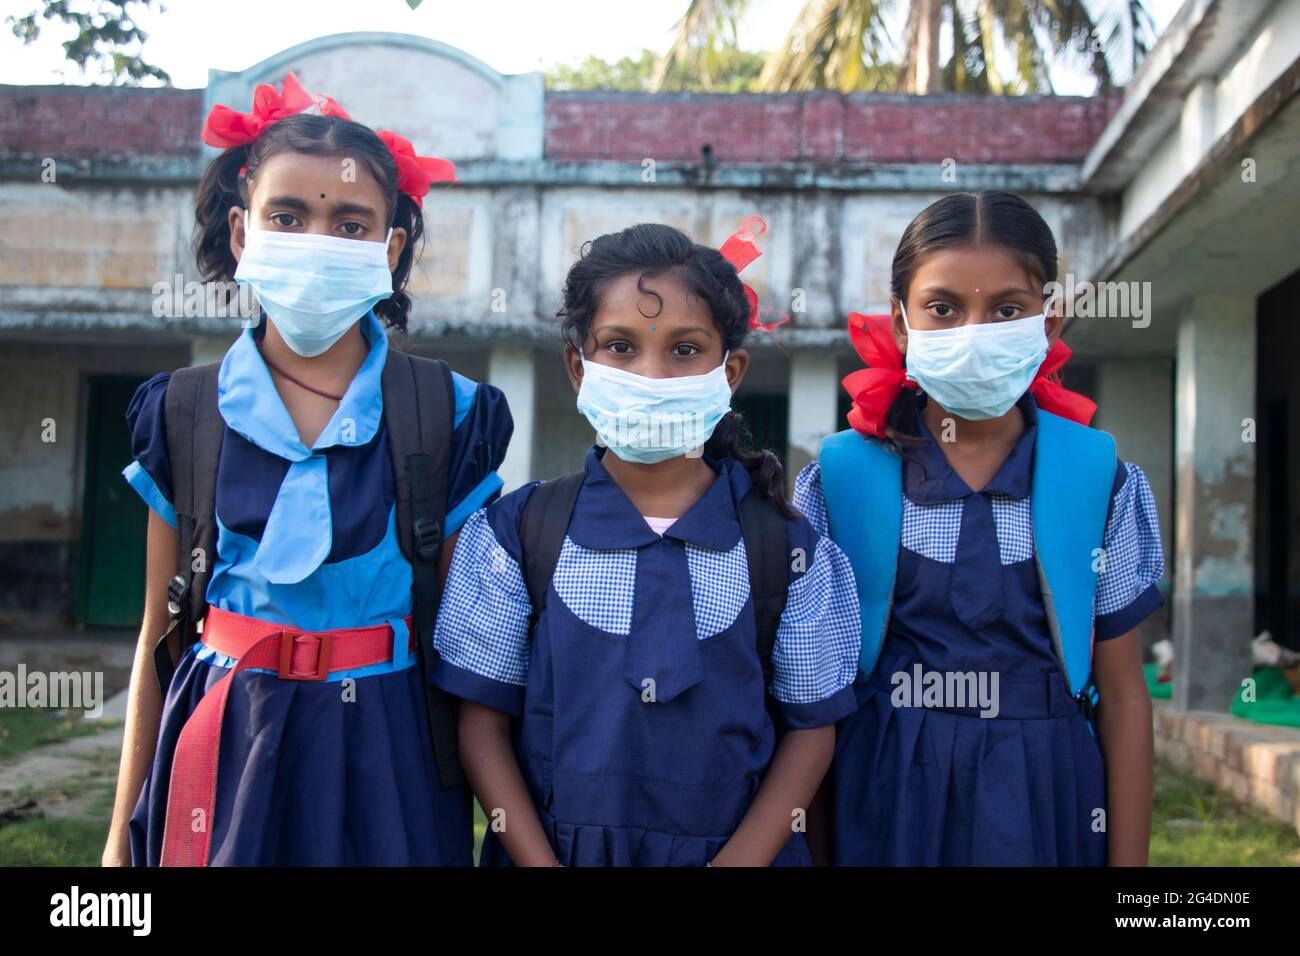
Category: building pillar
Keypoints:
(513, 370)
(1214, 455)
(1135, 404)
(814, 393)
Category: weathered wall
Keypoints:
(89, 255)
(824, 127)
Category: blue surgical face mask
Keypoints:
(314, 288)
(648, 420)
(977, 371)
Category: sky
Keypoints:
(189, 37)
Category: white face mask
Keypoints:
(977, 371)
(314, 288)
(648, 420)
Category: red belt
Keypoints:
(293, 655)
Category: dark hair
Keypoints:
(653, 249)
(224, 185)
(992, 217)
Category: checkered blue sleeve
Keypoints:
(818, 641)
(808, 497)
(1133, 560)
(481, 637)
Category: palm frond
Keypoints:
(845, 44)
(832, 44)
(706, 26)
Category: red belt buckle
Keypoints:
(288, 641)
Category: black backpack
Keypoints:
(545, 521)
(419, 409)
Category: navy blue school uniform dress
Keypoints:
(624, 772)
(1014, 777)
(318, 773)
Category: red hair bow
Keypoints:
(740, 251)
(873, 389)
(225, 127)
(416, 173)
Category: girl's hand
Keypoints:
(1125, 733)
(488, 756)
(144, 705)
(801, 760)
(117, 851)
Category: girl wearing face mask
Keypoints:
(1004, 558)
(669, 643)
(304, 678)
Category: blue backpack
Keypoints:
(1074, 471)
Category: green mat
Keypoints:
(1158, 691)
(1274, 701)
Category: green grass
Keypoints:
(59, 841)
(53, 842)
(26, 728)
(1195, 825)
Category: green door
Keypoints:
(110, 576)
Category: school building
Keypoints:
(1174, 206)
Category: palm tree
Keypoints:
(845, 44)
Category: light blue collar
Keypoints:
(299, 529)
(252, 407)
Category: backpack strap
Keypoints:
(542, 527)
(862, 484)
(419, 412)
(195, 430)
(1074, 473)
(766, 546)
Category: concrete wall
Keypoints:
(458, 106)
(1135, 403)
(1213, 102)
(494, 260)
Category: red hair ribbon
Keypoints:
(415, 173)
(225, 128)
(740, 251)
(873, 389)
